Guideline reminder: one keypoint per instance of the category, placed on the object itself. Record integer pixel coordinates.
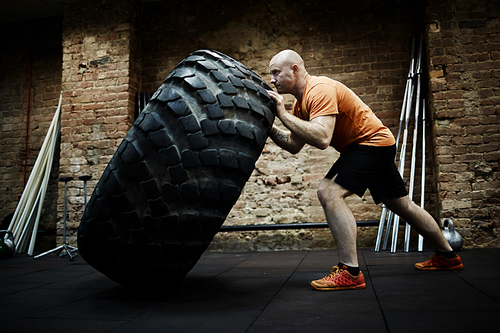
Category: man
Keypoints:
(327, 113)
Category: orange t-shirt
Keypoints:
(355, 123)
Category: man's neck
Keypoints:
(299, 93)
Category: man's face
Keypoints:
(281, 76)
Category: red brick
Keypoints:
(461, 86)
(493, 119)
(467, 121)
(476, 57)
(488, 137)
(488, 147)
(117, 119)
(456, 167)
(446, 113)
(453, 150)
(489, 65)
(468, 140)
(444, 60)
(449, 94)
(488, 84)
(105, 97)
(456, 104)
(442, 130)
(117, 89)
(492, 156)
(470, 157)
(483, 129)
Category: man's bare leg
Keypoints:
(343, 227)
(340, 220)
(420, 220)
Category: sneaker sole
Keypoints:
(360, 286)
(435, 268)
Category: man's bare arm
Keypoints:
(286, 140)
(317, 132)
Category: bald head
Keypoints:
(287, 58)
(288, 73)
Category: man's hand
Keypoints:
(318, 132)
(280, 105)
(285, 140)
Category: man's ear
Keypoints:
(295, 69)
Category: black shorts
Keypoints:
(362, 167)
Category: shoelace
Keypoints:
(336, 270)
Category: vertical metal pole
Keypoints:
(422, 186)
(388, 230)
(85, 178)
(380, 228)
(412, 173)
(402, 156)
(64, 219)
(401, 117)
(414, 147)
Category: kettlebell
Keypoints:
(8, 239)
(452, 236)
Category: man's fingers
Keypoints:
(277, 97)
(280, 105)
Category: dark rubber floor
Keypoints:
(255, 292)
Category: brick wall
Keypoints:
(99, 85)
(365, 44)
(464, 64)
(112, 50)
(41, 50)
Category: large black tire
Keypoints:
(178, 172)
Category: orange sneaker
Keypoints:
(439, 262)
(340, 279)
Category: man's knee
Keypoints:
(329, 191)
(324, 193)
(399, 205)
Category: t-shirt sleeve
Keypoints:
(322, 101)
